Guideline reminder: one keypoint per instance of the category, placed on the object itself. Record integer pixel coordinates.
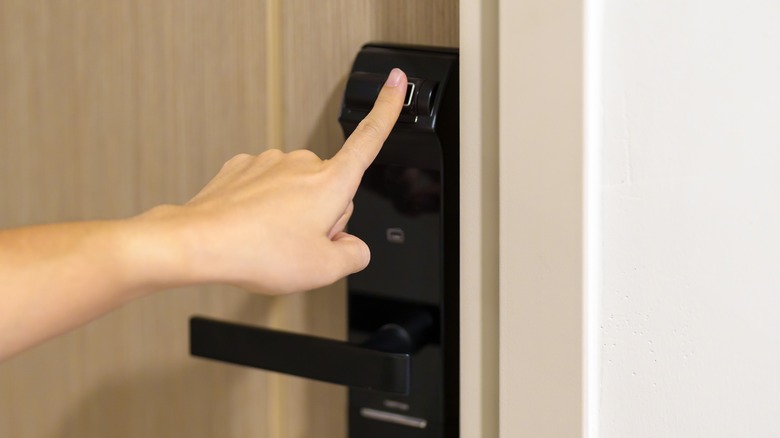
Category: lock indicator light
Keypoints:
(409, 93)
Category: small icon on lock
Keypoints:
(395, 235)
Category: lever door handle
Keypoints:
(306, 356)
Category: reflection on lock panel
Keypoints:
(397, 213)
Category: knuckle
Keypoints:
(269, 156)
(303, 154)
(271, 153)
(237, 160)
(371, 127)
(241, 157)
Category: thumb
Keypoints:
(352, 252)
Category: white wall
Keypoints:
(690, 313)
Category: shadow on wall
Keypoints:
(199, 400)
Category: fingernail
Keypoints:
(394, 79)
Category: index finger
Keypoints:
(364, 144)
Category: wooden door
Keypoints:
(110, 108)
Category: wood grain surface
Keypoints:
(109, 108)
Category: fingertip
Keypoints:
(355, 252)
(395, 87)
(395, 78)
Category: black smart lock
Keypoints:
(401, 361)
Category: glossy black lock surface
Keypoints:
(406, 209)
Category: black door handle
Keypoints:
(301, 355)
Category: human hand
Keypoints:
(274, 223)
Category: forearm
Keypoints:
(56, 277)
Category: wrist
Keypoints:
(156, 251)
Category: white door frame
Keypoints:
(529, 74)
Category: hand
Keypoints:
(274, 223)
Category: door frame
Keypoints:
(530, 136)
(479, 218)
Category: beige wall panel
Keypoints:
(108, 108)
(319, 41)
